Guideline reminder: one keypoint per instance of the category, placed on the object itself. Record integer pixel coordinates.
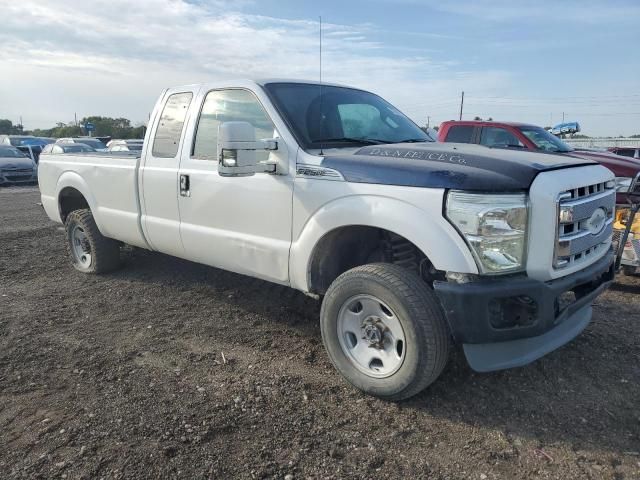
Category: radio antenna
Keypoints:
(320, 72)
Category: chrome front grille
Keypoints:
(588, 190)
(585, 223)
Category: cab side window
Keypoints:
(229, 106)
(460, 134)
(169, 131)
(499, 138)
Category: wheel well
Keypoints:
(347, 247)
(69, 200)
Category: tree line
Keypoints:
(122, 128)
(104, 127)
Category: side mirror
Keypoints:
(238, 147)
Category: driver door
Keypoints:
(238, 223)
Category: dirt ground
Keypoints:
(168, 369)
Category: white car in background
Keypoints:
(130, 145)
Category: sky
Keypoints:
(515, 60)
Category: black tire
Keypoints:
(420, 315)
(104, 253)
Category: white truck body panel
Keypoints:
(107, 182)
(322, 206)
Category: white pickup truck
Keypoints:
(412, 245)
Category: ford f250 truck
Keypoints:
(412, 245)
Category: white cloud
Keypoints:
(115, 56)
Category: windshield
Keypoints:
(545, 140)
(341, 116)
(10, 152)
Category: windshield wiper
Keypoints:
(415, 140)
(364, 141)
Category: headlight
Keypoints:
(494, 226)
(623, 184)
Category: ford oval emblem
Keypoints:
(597, 221)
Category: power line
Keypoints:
(569, 114)
(558, 98)
(630, 101)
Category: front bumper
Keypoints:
(509, 322)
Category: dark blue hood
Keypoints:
(447, 165)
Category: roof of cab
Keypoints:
(491, 122)
(256, 82)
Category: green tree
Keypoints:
(113, 127)
(104, 127)
(8, 128)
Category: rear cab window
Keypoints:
(460, 134)
(167, 137)
(498, 137)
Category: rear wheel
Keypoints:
(89, 250)
(384, 330)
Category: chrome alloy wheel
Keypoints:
(371, 336)
(80, 246)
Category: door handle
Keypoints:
(185, 185)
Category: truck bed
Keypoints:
(108, 181)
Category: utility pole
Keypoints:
(428, 119)
(75, 118)
(562, 117)
(461, 104)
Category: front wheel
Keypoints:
(89, 250)
(384, 330)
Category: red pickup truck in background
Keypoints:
(531, 137)
(633, 152)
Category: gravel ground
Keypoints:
(171, 369)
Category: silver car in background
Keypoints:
(58, 148)
(16, 167)
(94, 143)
